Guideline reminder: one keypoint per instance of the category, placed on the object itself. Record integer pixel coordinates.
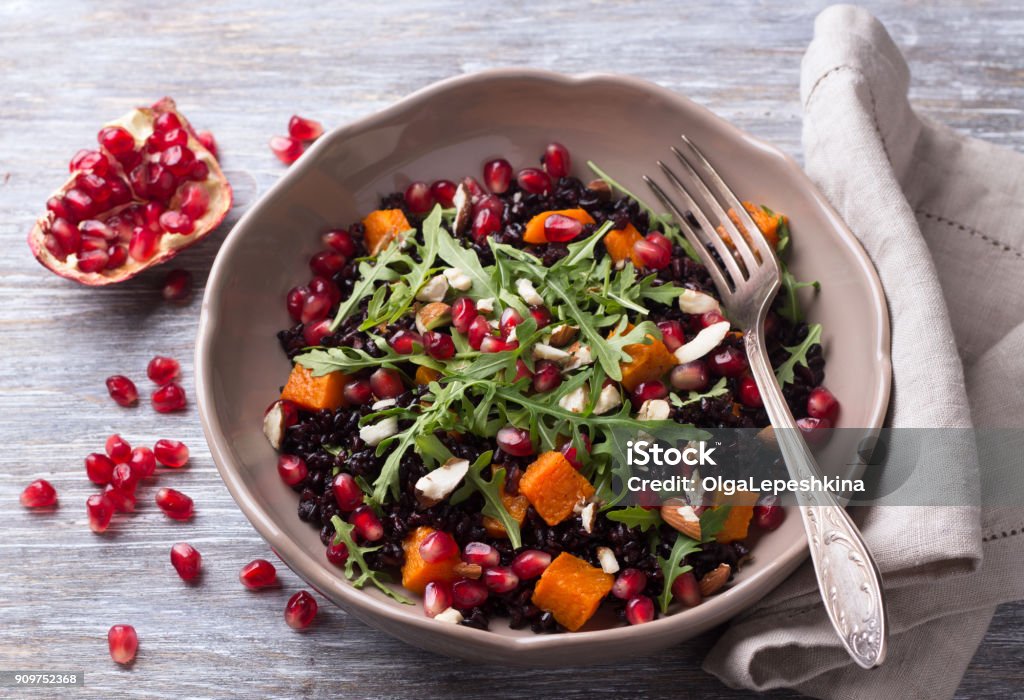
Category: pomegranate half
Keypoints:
(148, 191)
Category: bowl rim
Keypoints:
(714, 611)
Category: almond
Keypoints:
(601, 188)
(433, 315)
(468, 570)
(563, 335)
(681, 517)
(713, 581)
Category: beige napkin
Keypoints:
(942, 217)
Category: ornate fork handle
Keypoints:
(850, 584)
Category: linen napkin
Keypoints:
(940, 216)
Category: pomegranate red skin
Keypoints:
(39, 494)
(257, 574)
(300, 611)
(220, 204)
(186, 560)
(123, 642)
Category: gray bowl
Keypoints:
(448, 130)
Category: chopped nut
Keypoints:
(458, 279)
(681, 517)
(434, 289)
(576, 400)
(600, 188)
(654, 409)
(463, 210)
(713, 581)
(581, 356)
(374, 434)
(433, 315)
(273, 425)
(609, 564)
(587, 516)
(526, 290)
(485, 305)
(707, 340)
(382, 404)
(541, 351)
(435, 486)
(449, 615)
(694, 302)
(609, 398)
(562, 335)
(468, 570)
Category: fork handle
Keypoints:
(848, 579)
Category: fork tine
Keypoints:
(720, 280)
(739, 241)
(726, 256)
(759, 241)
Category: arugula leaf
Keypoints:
(403, 293)
(452, 252)
(491, 491)
(789, 304)
(356, 554)
(664, 294)
(321, 361)
(712, 521)
(673, 567)
(718, 389)
(635, 516)
(798, 354)
(369, 276)
(584, 250)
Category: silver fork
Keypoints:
(748, 278)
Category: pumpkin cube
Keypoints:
(417, 573)
(571, 590)
(314, 393)
(383, 226)
(619, 244)
(553, 487)
(534, 232)
(741, 512)
(516, 507)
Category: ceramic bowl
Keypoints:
(449, 130)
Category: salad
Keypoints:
(465, 360)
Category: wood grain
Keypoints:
(241, 69)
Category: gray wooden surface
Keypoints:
(241, 69)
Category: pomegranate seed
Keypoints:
(117, 140)
(99, 468)
(485, 222)
(437, 597)
(170, 140)
(357, 392)
(195, 201)
(500, 579)
(651, 255)
(143, 244)
(289, 411)
(822, 404)
(295, 300)
(478, 330)
(710, 318)
(177, 285)
(647, 391)
(300, 611)
(58, 207)
(546, 377)
(337, 554)
(440, 346)
(178, 159)
(142, 462)
(522, 372)
(93, 260)
(315, 308)
(326, 263)
(571, 454)
(314, 333)
(117, 449)
(116, 256)
(768, 514)
(347, 493)
(124, 479)
(176, 222)
(533, 181)
(530, 563)
(406, 342)
(322, 285)
(95, 185)
(208, 142)
(341, 241)
(39, 494)
(661, 240)
(491, 203)
(168, 398)
(672, 334)
(727, 362)
(443, 192)
(120, 193)
(163, 370)
(79, 203)
(67, 235)
(386, 383)
(498, 175)
(541, 315)
(463, 312)
(686, 589)
(304, 129)
(286, 149)
(481, 553)
(174, 504)
(468, 593)
(510, 318)
(438, 546)
(123, 501)
(122, 390)
(123, 643)
(750, 395)
(639, 610)
(559, 228)
(186, 560)
(199, 171)
(473, 188)
(292, 469)
(692, 376)
(418, 198)
(557, 161)
(100, 510)
(815, 430)
(366, 523)
(171, 453)
(515, 441)
(259, 573)
(90, 160)
(629, 584)
(166, 121)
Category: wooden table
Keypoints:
(241, 69)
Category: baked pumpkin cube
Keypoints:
(417, 573)
(650, 361)
(534, 232)
(571, 590)
(383, 226)
(741, 512)
(553, 487)
(314, 393)
(619, 244)
(516, 507)
(425, 375)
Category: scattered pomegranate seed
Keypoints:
(651, 254)
(286, 149)
(463, 312)
(571, 454)
(322, 285)
(347, 493)
(500, 579)
(366, 523)
(815, 430)
(530, 563)
(557, 161)
(498, 175)
(437, 597)
(168, 398)
(315, 307)
(300, 611)
(122, 501)
(295, 301)
(406, 342)
(209, 143)
(559, 228)
(438, 546)
(672, 334)
(122, 390)
(177, 286)
(337, 554)
(515, 441)
(314, 333)
(629, 584)
(541, 315)
(533, 181)
(418, 198)
(522, 372)
(443, 192)
(341, 241)
(692, 376)
(99, 468)
(174, 504)
(481, 553)
(292, 469)
(485, 222)
(327, 263)
(357, 392)
(490, 202)
(478, 330)
(547, 376)
(259, 573)
(822, 404)
(727, 362)
(304, 129)
(768, 514)
(387, 383)
(171, 453)
(469, 593)
(123, 643)
(510, 318)
(686, 589)
(661, 240)
(473, 188)
(438, 345)
(750, 395)
(647, 391)
(142, 462)
(710, 318)
(124, 479)
(39, 494)
(100, 510)
(163, 370)
(639, 610)
(186, 560)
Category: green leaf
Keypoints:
(369, 276)
(581, 251)
(788, 304)
(491, 492)
(356, 558)
(712, 521)
(635, 516)
(718, 389)
(784, 373)
(674, 567)
(404, 292)
(321, 361)
(452, 252)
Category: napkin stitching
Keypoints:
(1003, 535)
(1006, 248)
(874, 111)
